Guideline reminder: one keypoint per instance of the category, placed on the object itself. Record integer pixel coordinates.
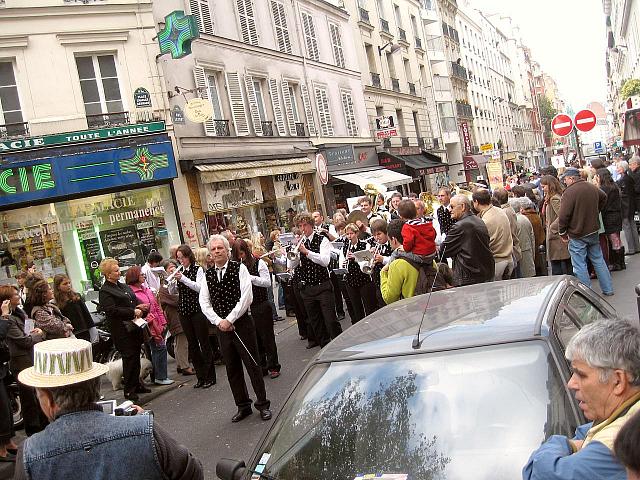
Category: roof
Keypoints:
(456, 318)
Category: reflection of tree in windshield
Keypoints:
(354, 432)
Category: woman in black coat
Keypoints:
(7, 447)
(121, 307)
(612, 218)
(72, 306)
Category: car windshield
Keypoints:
(473, 413)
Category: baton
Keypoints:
(245, 347)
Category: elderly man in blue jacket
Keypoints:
(605, 357)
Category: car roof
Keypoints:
(482, 314)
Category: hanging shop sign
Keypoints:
(288, 185)
(177, 115)
(141, 98)
(232, 194)
(178, 33)
(340, 155)
(59, 173)
(198, 110)
(466, 137)
(494, 172)
(386, 127)
(28, 143)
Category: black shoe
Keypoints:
(198, 384)
(208, 384)
(143, 389)
(278, 319)
(291, 314)
(131, 396)
(265, 414)
(241, 415)
(311, 345)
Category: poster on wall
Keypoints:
(232, 194)
(147, 237)
(123, 245)
(494, 172)
(92, 256)
(287, 185)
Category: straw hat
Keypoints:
(60, 362)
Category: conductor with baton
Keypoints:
(225, 298)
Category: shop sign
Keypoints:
(466, 137)
(177, 115)
(470, 163)
(147, 160)
(494, 172)
(287, 185)
(432, 170)
(405, 150)
(198, 110)
(141, 98)
(29, 143)
(178, 33)
(322, 169)
(232, 194)
(486, 147)
(392, 164)
(340, 155)
(386, 127)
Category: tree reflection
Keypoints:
(354, 432)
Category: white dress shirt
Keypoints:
(246, 296)
(190, 283)
(263, 279)
(153, 276)
(323, 258)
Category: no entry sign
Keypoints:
(562, 125)
(585, 120)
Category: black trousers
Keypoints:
(130, 370)
(363, 299)
(235, 356)
(267, 349)
(196, 329)
(337, 293)
(319, 304)
(304, 328)
(6, 414)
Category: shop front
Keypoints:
(426, 170)
(64, 209)
(254, 196)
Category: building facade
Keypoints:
(86, 162)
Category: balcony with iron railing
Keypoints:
(221, 128)
(459, 71)
(267, 128)
(419, 43)
(108, 119)
(395, 84)
(402, 35)
(384, 26)
(11, 130)
(412, 88)
(300, 130)
(375, 80)
(364, 16)
(404, 141)
(464, 110)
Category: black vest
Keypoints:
(354, 277)
(188, 300)
(225, 295)
(259, 293)
(386, 251)
(308, 271)
(444, 219)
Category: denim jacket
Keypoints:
(93, 445)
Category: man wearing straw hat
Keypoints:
(82, 441)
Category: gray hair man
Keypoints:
(605, 358)
(526, 237)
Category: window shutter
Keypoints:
(253, 105)
(200, 8)
(310, 36)
(280, 22)
(201, 83)
(322, 102)
(236, 99)
(308, 111)
(288, 108)
(277, 109)
(336, 42)
(349, 114)
(247, 22)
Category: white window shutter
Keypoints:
(288, 108)
(310, 36)
(308, 111)
(322, 103)
(277, 108)
(336, 42)
(236, 99)
(202, 12)
(201, 84)
(349, 114)
(253, 105)
(247, 22)
(280, 23)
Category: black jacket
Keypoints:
(119, 303)
(627, 195)
(78, 313)
(467, 243)
(612, 211)
(20, 344)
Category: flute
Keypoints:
(170, 278)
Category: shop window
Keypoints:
(99, 84)
(10, 112)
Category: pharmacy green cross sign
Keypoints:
(144, 163)
(178, 32)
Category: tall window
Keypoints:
(336, 43)
(294, 104)
(214, 96)
(280, 24)
(10, 111)
(247, 22)
(202, 12)
(324, 112)
(99, 84)
(310, 36)
(257, 86)
(349, 113)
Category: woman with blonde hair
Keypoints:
(203, 258)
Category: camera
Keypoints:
(125, 409)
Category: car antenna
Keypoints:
(416, 341)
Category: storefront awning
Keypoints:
(631, 134)
(416, 164)
(378, 176)
(474, 162)
(221, 172)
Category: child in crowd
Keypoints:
(419, 236)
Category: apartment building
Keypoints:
(86, 164)
(283, 81)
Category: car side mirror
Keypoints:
(229, 469)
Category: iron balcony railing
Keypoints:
(395, 84)
(459, 71)
(402, 34)
(421, 143)
(108, 119)
(412, 88)
(418, 43)
(14, 130)
(267, 128)
(300, 130)
(364, 16)
(375, 80)
(384, 25)
(222, 128)
(464, 110)
(386, 143)
(405, 141)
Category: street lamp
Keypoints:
(394, 48)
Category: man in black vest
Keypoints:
(312, 279)
(225, 297)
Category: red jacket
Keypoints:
(419, 237)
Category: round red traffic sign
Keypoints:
(322, 168)
(585, 120)
(562, 125)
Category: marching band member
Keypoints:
(360, 287)
(383, 251)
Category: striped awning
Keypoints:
(220, 172)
